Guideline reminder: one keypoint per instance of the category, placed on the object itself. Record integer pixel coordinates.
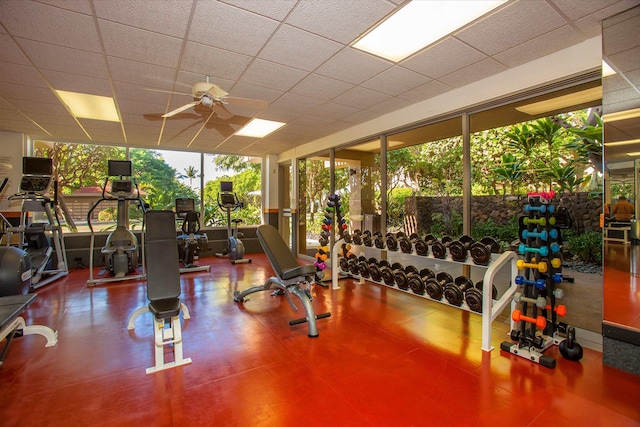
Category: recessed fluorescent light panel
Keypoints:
(84, 106)
(563, 101)
(420, 23)
(259, 128)
(634, 154)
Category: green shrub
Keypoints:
(586, 246)
(504, 233)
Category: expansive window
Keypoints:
(424, 179)
(162, 177)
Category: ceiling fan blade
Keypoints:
(246, 102)
(168, 91)
(222, 112)
(181, 109)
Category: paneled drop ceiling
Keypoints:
(294, 54)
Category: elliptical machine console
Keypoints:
(39, 239)
(228, 201)
(121, 250)
(191, 241)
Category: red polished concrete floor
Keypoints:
(384, 358)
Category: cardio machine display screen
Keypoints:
(226, 186)
(120, 168)
(185, 205)
(37, 166)
(122, 187)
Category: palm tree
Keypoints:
(191, 172)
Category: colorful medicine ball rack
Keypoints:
(540, 272)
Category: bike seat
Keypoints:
(236, 220)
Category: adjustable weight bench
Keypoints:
(12, 323)
(291, 277)
(163, 289)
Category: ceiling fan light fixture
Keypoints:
(259, 128)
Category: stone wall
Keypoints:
(583, 209)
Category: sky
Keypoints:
(180, 160)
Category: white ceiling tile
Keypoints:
(443, 58)
(128, 91)
(321, 87)
(361, 116)
(390, 105)
(9, 51)
(139, 73)
(395, 80)
(227, 27)
(514, 24)
(297, 48)
(279, 115)
(79, 6)
(426, 91)
(169, 17)
(340, 20)
(246, 90)
(353, 66)
(311, 120)
(75, 83)
(271, 75)
(276, 9)
(334, 111)
(361, 97)
(295, 102)
(543, 45)
(21, 74)
(576, 9)
(472, 73)
(59, 58)
(37, 21)
(17, 91)
(214, 62)
(140, 45)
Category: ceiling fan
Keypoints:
(211, 95)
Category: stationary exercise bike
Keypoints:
(191, 242)
(39, 239)
(228, 201)
(121, 250)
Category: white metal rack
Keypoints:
(490, 309)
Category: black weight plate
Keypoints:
(492, 243)
(422, 248)
(405, 245)
(439, 250)
(480, 253)
(416, 284)
(458, 251)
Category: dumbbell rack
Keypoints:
(541, 267)
(490, 309)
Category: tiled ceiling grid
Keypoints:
(293, 54)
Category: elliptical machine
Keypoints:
(228, 201)
(39, 239)
(190, 242)
(121, 250)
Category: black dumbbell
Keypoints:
(354, 264)
(421, 246)
(417, 281)
(392, 240)
(481, 251)
(406, 242)
(473, 296)
(356, 237)
(378, 240)
(454, 292)
(460, 248)
(389, 273)
(434, 286)
(402, 277)
(366, 238)
(439, 248)
(346, 237)
(344, 263)
(363, 267)
(375, 267)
